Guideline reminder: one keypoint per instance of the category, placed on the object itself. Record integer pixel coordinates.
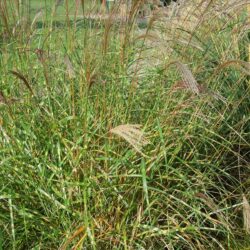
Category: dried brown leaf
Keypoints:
(78, 232)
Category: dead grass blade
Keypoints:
(132, 134)
(79, 231)
(69, 67)
(246, 214)
(23, 79)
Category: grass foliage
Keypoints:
(118, 137)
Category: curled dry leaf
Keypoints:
(133, 134)
(246, 214)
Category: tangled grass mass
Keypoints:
(122, 128)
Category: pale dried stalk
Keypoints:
(246, 214)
